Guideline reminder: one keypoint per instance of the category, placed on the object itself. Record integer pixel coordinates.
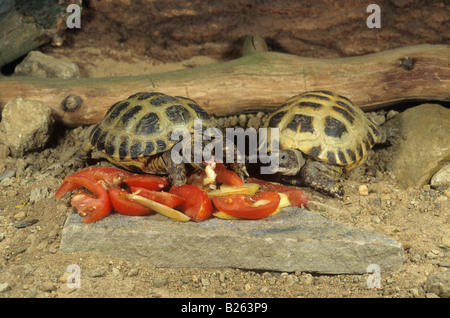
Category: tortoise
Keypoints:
(322, 136)
(136, 134)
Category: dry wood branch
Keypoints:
(260, 81)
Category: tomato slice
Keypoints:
(123, 205)
(227, 176)
(295, 196)
(169, 199)
(110, 177)
(197, 204)
(89, 207)
(147, 181)
(246, 206)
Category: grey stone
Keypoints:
(26, 125)
(441, 178)
(7, 174)
(38, 64)
(293, 240)
(439, 283)
(423, 144)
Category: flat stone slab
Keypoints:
(292, 240)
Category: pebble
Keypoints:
(363, 190)
(444, 264)
(98, 272)
(2, 236)
(133, 272)
(441, 178)
(4, 287)
(160, 281)
(20, 216)
(48, 287)
(115, 271)
(414, 292)
(24, 223)
(7, 174)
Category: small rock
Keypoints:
(444, 264)
(133, 272)
(291, 280)
(308, 279)
(254, 122)
(414, 292)
(38, 64)
(242, 120)
(24, 223)
(363, 190)
(4, 287)
(439, 283)
(48, 287)
(20, 216)
(205, 281)
(115, 271)
(26, 125)
(65, 276)
(2, 236)
(441, 178)
(7, 174)
(160, 281)
(98, 272)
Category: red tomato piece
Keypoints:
(246, 206)
(295, 196)
(89, 207)
(227, 176)
(147, 181)
(197, 204)
(123, 205)
(110, 177)
(169, 199)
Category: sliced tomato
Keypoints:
(123, 205)
(295, 196)
(169, 199)
(147, 181)
(246, 206)
(227, 176)
(197, 204)
(90, 207)
(109, 177)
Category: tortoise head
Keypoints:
(290, 162)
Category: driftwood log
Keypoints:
(261, 81)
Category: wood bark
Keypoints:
(261, 81)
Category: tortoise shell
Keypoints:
(326, 127)
(140, 127)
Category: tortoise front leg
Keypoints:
(318, 177)
(176, 171)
